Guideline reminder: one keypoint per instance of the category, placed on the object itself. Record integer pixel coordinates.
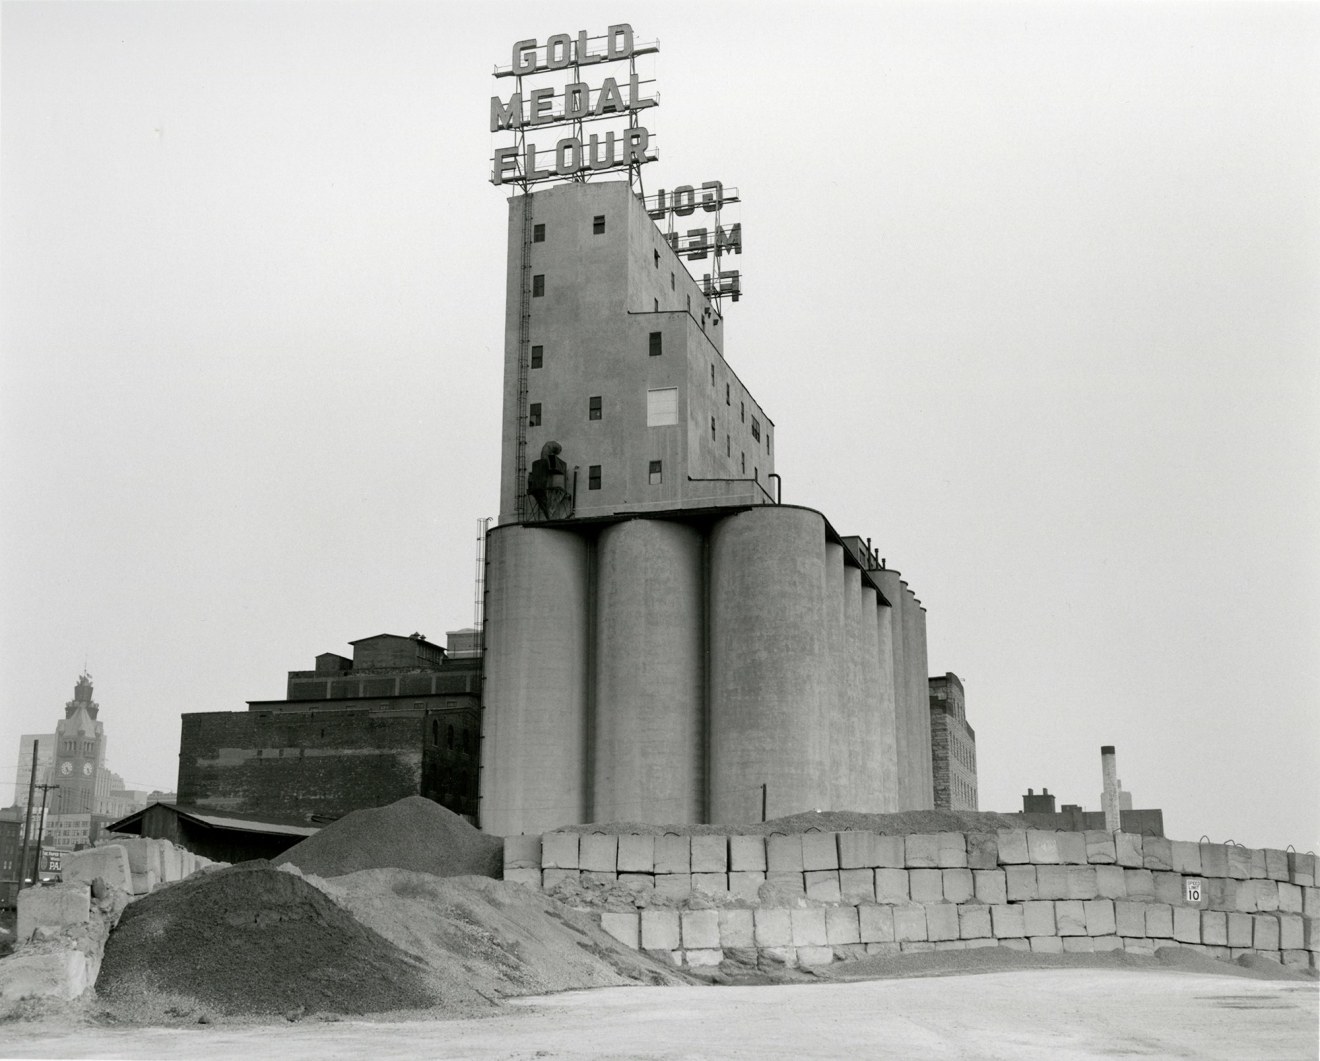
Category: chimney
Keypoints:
(1109, 771)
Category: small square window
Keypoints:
(656, 338)
(593, 407)
(538, 355)
(593, 477)
(657, 258)
(534, 415)
(538, 233)
(656, 474)
(598, 225)
(538, 285)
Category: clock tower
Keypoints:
(80, 754)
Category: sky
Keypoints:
(1031, 294)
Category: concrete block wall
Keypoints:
(813, 898)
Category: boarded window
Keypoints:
(662, 407)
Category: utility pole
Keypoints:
(41, 826)
(27, 816)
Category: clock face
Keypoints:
(87, 769)
(66, 769)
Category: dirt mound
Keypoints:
(413, 834)
(497, 937)
(252, 941)
(834, 821)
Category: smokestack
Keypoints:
(1109, 770)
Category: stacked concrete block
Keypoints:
(522, 860)
(53, 907)
(109, 863)
(957, 885)
(1071, 848)
(925, 885)
(1100, 847)
(922, 851)
(812, 898)
(990, 886)
(1127, 850)
(624, 926)
(892, 885)
(941, 921)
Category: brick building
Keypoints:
(952, 745)
(398, 719)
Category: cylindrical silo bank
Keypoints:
(851, 767)
(768, 689)
(867, 763)
(918, 696)
(648, 764)
(887, 770)
(892, 587)
(535, 695)
(833, 664)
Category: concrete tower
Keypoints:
(665, 641)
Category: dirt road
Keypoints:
(1044, 1014)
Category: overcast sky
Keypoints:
(1031, 296)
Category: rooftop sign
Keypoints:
(570, 99)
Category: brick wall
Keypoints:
(296, 764)
(843, 895)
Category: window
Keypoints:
(656, 474)
(593, 477)
(756, 474)
(538, 285)
(689, 300)
(744, 464)
(655, 304)
(657, 258)
(449, 736)
(538, 233)
(662, 407)
(534, 415)
(767, 441)
(756, 429)
(538, 354)
(712, 375)
(656, 339)
(671, 282)
(727, 395)
(728, 446)
(712, 428)
(742, 412)
(598, 225)
(593, 407)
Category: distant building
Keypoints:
(399, 719)
(1039, 812)
(952, 745)
(23, 778)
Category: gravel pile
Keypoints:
(250, 941)
(414, 834)
(835, 821)
(494, 937)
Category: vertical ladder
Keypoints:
(524, 356)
